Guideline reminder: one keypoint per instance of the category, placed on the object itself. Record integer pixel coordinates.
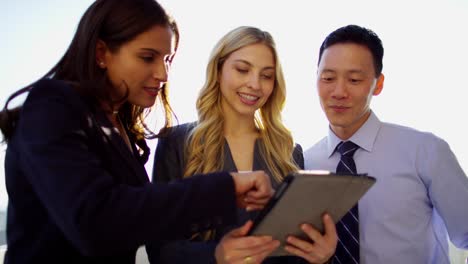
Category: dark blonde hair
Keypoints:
(205, 146)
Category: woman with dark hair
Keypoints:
(74, 167)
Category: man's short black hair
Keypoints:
(357, 35)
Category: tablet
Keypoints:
(303, 197)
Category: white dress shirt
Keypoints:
(421, 193)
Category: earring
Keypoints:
(101, 63)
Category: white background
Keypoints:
(425, 61)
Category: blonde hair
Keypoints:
(205, 143)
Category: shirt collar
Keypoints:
(364, 137)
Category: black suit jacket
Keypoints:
(77, 194)
(169, 165)
(169, 160)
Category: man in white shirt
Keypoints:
(420, 188)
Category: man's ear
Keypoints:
(101, 49)
(379, 85)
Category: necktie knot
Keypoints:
(347, 148)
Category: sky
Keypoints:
(425, 61)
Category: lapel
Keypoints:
(229, 164)
(258, 162)
(108, 131)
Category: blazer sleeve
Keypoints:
(169, 159)
(298, 156)
(168, 166)
(87, 204)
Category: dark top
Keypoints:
(77, 194)
(169, 165)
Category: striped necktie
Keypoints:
(347, 250)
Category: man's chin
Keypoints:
(337, 120)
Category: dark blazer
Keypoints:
(169, 165)
(77, 194)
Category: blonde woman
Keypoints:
(239, 128)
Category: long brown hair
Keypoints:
(115, 23)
